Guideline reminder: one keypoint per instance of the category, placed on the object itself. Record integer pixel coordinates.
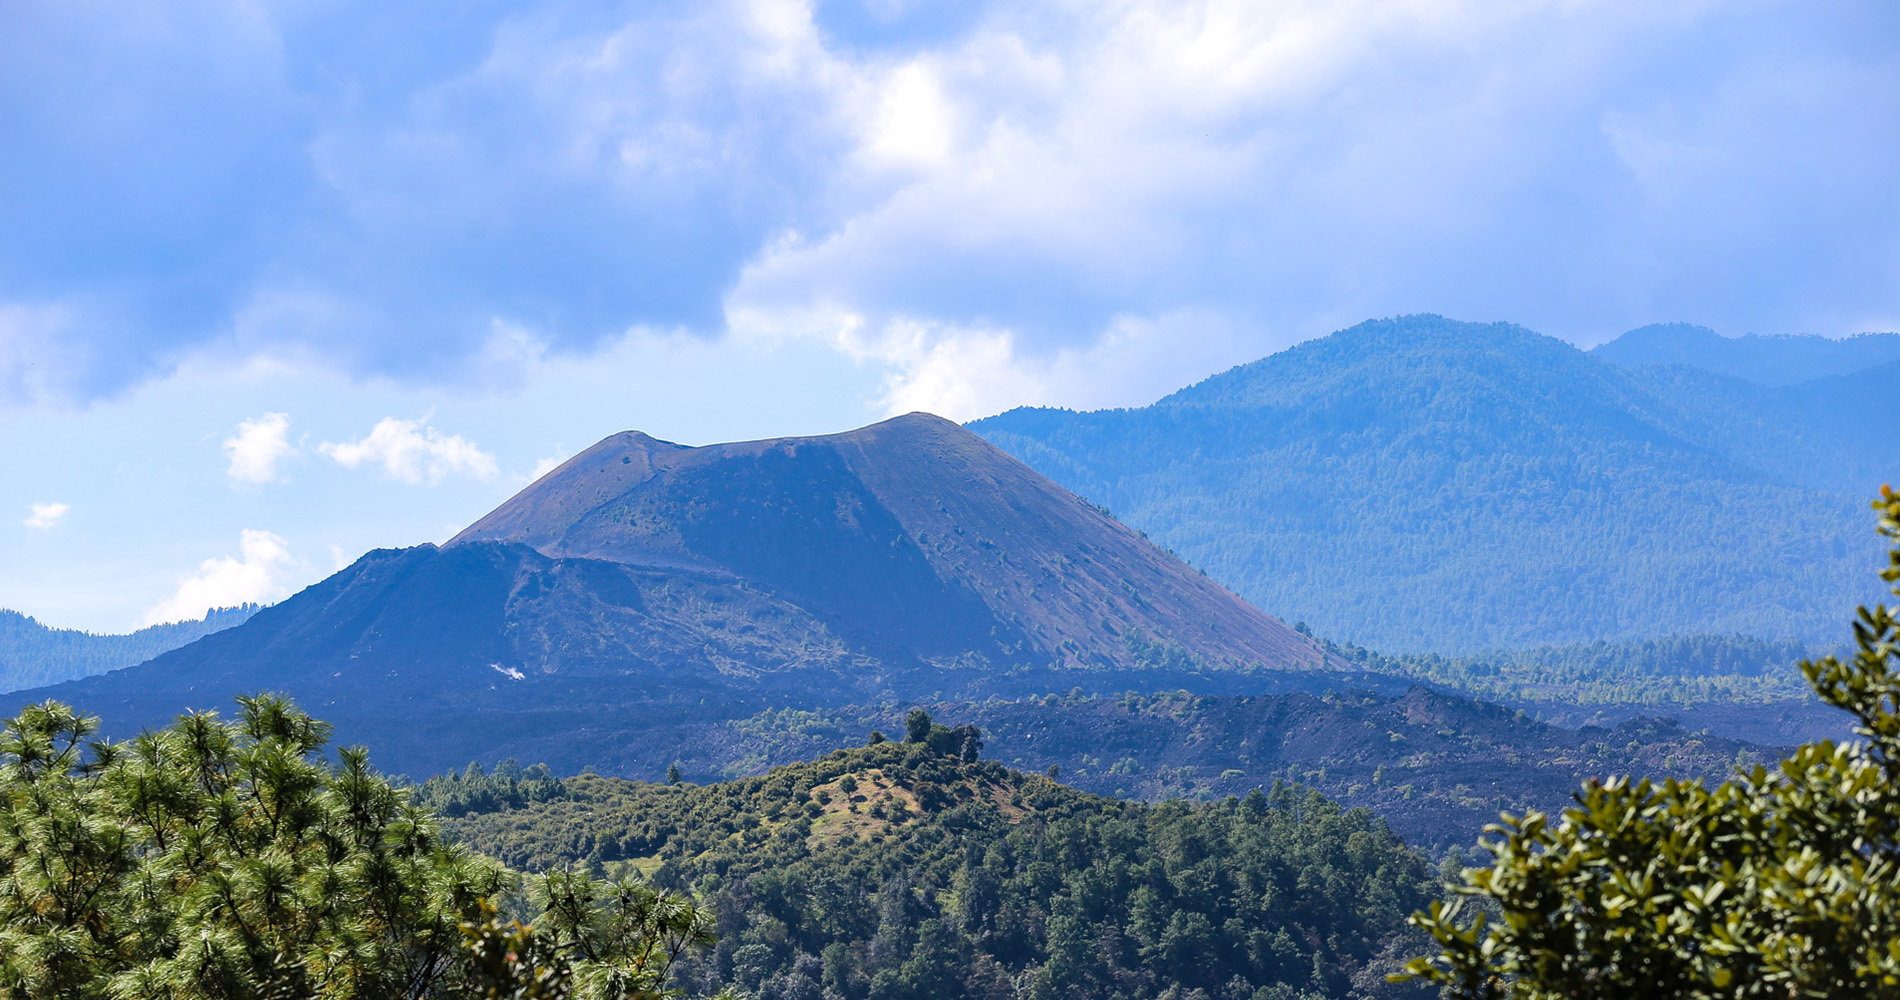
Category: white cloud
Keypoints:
(257, 447)
(965, 372)
(45, 516)
(546, 465)
(913, 123)
(410, 451)
(547, 176)
(255, 575)
(1028, 189)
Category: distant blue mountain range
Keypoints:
(1777, 361)
(32, 654)
(1421, 484)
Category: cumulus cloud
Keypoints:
(1297, 167)
(968, 373)
(254, 575)
(44, 516)
(257, 447)
(546, 465)
(954, 178)
(410, 451)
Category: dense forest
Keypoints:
(908, 870)
(1421, 485)
(248, 858)
(33, 655)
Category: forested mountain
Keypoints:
(1420, 484)
(1783, 360)
(645, 585)
(32, 654)
(901, 871)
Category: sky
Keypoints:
(281, 282)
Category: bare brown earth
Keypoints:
(912, 536)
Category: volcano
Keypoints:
(647, 584)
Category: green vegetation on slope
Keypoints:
(900, 871)
(1674, 669)
(1423, 485)
(34, 655)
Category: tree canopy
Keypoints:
(232, 859)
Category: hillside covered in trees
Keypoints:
(905, 870)
(1436, 767)
(1424, 485)
(32, 654)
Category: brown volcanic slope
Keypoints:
(911, 537)
(645, 591)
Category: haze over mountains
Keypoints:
(1420, 484)
(1776, 361)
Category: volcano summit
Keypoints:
(679, 585)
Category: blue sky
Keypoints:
(284, 281)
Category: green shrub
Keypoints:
(1780, 883)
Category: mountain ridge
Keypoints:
(1772, 360)
(33, 653)
(1424, 485)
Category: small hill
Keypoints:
(645, 585)
(33, 654)
(1437, 767)
(1776, 361)
(1420, 484)
(896, 871)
